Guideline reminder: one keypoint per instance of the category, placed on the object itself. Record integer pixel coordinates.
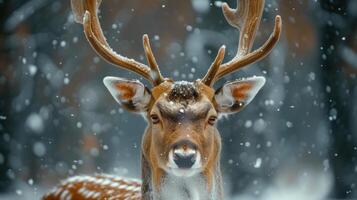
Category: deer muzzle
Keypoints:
(184, 158)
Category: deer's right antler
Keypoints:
(86, 13)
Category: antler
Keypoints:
(208, 79)
(86, 13)
(246, 18)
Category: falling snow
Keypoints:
(295, 140)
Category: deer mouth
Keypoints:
(184, 163)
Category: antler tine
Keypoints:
(109, 55)
(209, 78)
(155, 71)
(247, 18)
(254, 56)
(93, 31)
(79, 8)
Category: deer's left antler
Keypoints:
(246, 18)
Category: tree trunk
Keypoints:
(5, 102)
(337, 85)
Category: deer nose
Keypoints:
(185, 156)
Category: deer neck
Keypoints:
(159, 185)
(178, 188)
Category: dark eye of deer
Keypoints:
(212, 120)
(155, 119)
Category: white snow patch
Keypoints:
(258, 163)
(259, 125)
(39, 149)
(201, 6)
(35, 122)
(32, 70)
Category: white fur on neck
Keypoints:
(188, 188)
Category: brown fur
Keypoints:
(126, 91)
(193, 104)
(94, 188)
(239, 92)
(158, 139)
(183, 92)
(184, 110)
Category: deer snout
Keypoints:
(184, 159)
(185, 154)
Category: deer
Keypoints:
(181, 146)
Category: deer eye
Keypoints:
(155, 119)
(212, 120)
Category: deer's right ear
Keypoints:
(131, 94)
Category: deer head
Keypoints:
(181, 139)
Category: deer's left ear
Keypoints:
(234, 96)
(131, 94)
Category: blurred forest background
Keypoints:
(296, 140)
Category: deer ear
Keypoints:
(131, 94)
(234, 96)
